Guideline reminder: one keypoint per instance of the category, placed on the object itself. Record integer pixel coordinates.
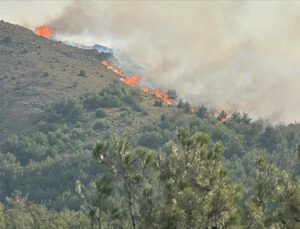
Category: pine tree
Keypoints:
(276, 202)
(198, 190)
(129, 172)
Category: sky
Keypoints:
(30, 13)
(232, 55)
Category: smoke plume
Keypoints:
(238, 55)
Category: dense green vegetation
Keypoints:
(19, 213)
(183, 170)
(186, 185)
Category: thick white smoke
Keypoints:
(239, 55)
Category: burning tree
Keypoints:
(222, 116)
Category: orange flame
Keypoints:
(134, 80)
(193, 110)
(104, 62)
(164, 98)
(43, 31)
(131, 80)
(167, 100)
(157, 94)
(222, 117)
(146, 90)
(110, 67)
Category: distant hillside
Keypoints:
(36, 72)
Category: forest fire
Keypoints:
(164, 98)
(43, 31)
(146, 89)
(134, 80)
(222, 117)
(115, 70)
(131, 80)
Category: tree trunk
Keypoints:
(130, 204)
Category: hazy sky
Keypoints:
(30, 13)
(240, 55)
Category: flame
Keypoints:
(222, 117)
(164, 98)
(167, 100)
(223, 120)
(110, 67)
(193, 110)
(43, 31)
(157, 94)
(133, 82)
(146, 89)
(104, 62)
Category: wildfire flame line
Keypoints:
(45, 31)
(134, 80)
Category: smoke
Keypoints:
(238, 55)
(31, 13)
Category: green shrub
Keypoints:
(202, 112)
(138, 108)
(172, 94)
(145, 113)
(7, 40)
(46, 127)
(180, 104)
(100, 113)
(26, 148)
(187, 107)
(82, 73)
(158, 103)
(68, 110)
(124, 108)
(91, 101)
(115, 95)
(152, 140)
(100, 126)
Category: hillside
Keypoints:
(36, 72)
(59, 107)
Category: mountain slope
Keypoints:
(57, 101)
(36, 72)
